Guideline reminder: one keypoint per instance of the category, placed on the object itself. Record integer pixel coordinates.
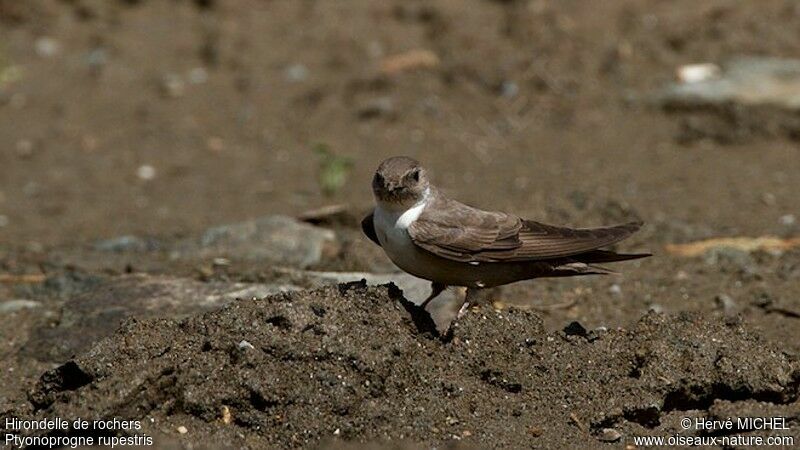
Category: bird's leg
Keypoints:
(467, 296)
(436, 289)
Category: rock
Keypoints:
(47, 46)
(329, 215)
(146, 172)
(297, 73)
(172, 86)
(609, 435)
(10, 306)
(272, 239)
(198, 75)
(726, 303)
(127, 243)
(744, 80)
(575, 329)
(747, 97)
(377, 107)
(98, 310)
(409, 61)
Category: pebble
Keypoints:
(244, 345)
(18, 305)
(146, 172)
(509, 89)
(198, 75)
(609, 435)
(4, 221)
(125, 243)
(694, 73)
(182, 429)
(297, 73)
(172, 85)
(47, 46)
(377, 107)
(97, 58)
(788, 220)
(726, 303)
(615, 289)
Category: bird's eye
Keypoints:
(415, 175)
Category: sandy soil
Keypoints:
(157, 118)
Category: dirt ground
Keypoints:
(159, 119)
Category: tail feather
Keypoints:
(606, 256)
(588, 263)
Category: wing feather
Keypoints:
(459, 232)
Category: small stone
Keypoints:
(221, 262)
(769, 199)
(127, 243)
(172, 86)
(46, 46)
(182, 429)
(244, 345)
(575, 329)
(694, 73)
(146, 172)
(788, 220)
(377, 107)
(337, 432)
(97, 58)
(615, 289)
(18, 305)
(726, 303)
(509, 89)
(4, 221)
(198, 75)
(609, 435)
(297, 73)
(226, 415)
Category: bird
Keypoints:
(449, 243)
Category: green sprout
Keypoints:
(333, 169)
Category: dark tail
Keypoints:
(587, 263)
(606, 256)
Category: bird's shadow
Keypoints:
(421, 318)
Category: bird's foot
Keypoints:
(463, 310)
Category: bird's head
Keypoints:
(400, 182)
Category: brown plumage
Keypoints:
(450, 243)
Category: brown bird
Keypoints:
(451, 244)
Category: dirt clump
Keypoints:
(358, 363)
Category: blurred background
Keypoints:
(223, 149)
(162, 117)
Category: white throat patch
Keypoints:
(411, 214)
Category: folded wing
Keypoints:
(461, 233)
